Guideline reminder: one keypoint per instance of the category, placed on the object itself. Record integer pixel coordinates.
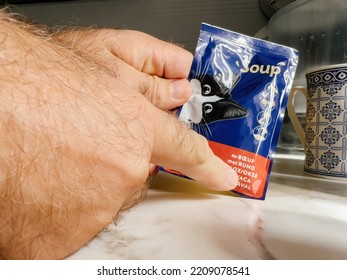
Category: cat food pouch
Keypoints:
(240, 90)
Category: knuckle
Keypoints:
(133, 174)
(137, 176)
(136, 167)
(151, 88)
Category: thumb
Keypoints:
(166, 94)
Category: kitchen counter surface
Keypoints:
(303, 217)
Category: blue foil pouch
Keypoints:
(240, 90)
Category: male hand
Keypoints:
(76, 145)
(153, 67)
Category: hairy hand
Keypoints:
(153, 67)
(76, 146)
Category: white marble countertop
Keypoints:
(302, 217)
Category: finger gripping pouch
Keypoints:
(240, 90)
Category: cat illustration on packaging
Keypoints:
(210, 102)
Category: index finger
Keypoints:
(180, 148)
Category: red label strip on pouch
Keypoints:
(240, 91)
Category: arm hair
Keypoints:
(47, 211)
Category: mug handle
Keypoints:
(292, 114)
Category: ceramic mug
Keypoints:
(325, 136)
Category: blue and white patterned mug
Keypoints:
(325, 136)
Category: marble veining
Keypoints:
(303, 217)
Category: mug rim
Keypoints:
(325, 68)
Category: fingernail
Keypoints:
(232, 178)
(180, 89)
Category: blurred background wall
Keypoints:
(175, 20)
